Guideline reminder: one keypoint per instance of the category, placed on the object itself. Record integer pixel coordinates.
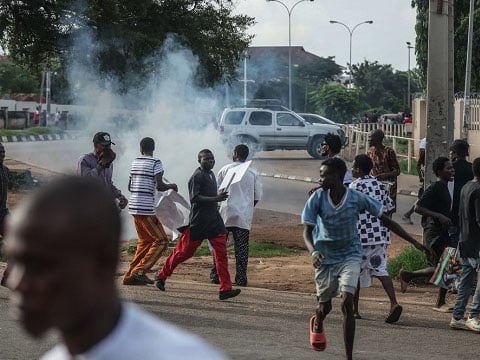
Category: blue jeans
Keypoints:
(465, 289)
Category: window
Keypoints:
(286, 119)
(262, 118)
(234, 118)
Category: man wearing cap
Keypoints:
(98, 164)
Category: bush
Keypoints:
(409, 259)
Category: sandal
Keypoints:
(317, 340)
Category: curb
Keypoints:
(30, 138)
(290, 177)
(312, 180)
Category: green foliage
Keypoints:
(336, 102)
(122, 36)
(460, 42)
(16, 79)
(319, 71)
(409, 259)
(383, 87)
(41, 130)
(256, 249)
(404, 167)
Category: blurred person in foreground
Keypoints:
(469, 247)
(99, 165)
(63, 277)
(330, 234)
(4, 171)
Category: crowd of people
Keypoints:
(347, 234)
(347, 220)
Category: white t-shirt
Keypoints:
(142, 185)
(237, 210)
(139, 335)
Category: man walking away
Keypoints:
(237, 211)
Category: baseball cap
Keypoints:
(102, 138)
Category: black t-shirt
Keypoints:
(463, 174)
(470, 231)
(436, 198)
(205, 220)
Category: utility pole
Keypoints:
(468, 72)
(440, 100)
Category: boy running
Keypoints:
(146, 175)
(330, 234)
(374, 237)
(205, 223)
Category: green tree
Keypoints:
(460, 42)
(121, 37)
(16, 79)
(383, 87)
(336, 102)
(319, 71)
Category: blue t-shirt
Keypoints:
(335, 232)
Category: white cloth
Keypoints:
(139, 335)
(172, 209)
(237, 210)
(423, 144)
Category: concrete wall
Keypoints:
(419, 115)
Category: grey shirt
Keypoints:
(87, 166)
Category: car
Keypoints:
(317, 119)
(266, 128)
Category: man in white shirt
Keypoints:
(64, 245)
(237, 211)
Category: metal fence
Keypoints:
(358, 141)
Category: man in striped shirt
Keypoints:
(146, 175)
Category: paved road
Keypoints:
(263, 324)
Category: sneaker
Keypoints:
(133, 281)
(143, 278)
(215, 280)
(224, 295)
(457, 324)
(159, 283)
(473, 324)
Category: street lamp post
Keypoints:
(289, 11)
(350, 31)
(409, 98)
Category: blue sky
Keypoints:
(383, 41)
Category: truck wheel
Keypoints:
(315, 149)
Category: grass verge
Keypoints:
(39, 130)
(256, 249)
(409, 259)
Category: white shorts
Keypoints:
(334, 278)
(374, 263)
